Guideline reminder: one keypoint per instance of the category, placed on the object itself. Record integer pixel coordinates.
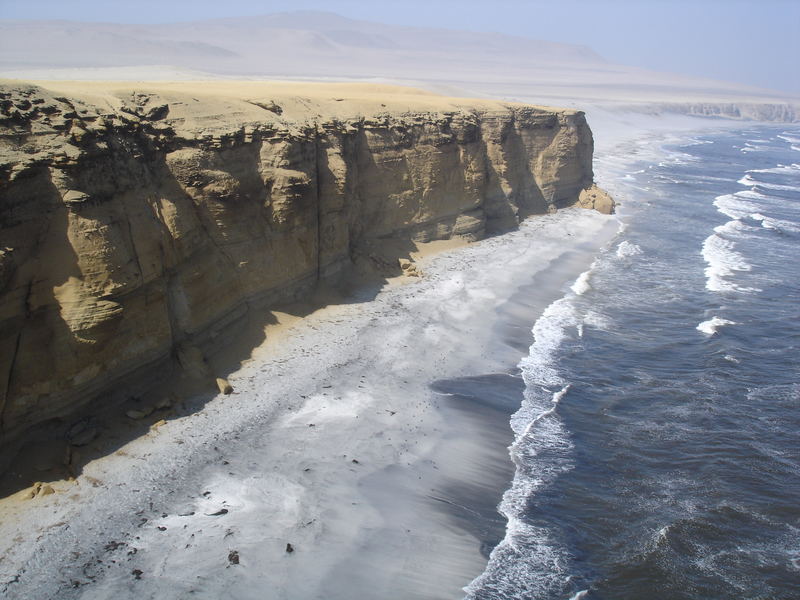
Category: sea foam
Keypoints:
(780, 169)
(734, 206)
(711, 326)
(723, 262)
(749, 181)
(778, 225)
(627, 249)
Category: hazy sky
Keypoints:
(756, 42)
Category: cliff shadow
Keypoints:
(527, 195)
(44, 346)
(55, 451)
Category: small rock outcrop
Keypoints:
(597, 199)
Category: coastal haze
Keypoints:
(325, 46)
(439, 374)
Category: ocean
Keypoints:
(657, 447)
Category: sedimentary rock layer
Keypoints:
(135, 224)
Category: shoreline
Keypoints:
(340, 371)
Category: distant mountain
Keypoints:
(318, 45)
(298, 43)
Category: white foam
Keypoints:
(661, 534)
(597, 320)
(750, 148)
(778, 225)
(693, 141)
(750, 181)
(579, 595)
(711, 326)
(549, 331)
(556, 398)
(733, 228)
(723, 262)
(676, 158)
(581, 285)
(790, 138)
(627, 249)
(733, 206)
(780, 169)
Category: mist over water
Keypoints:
(656, 447)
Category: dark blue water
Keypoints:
(658, 445)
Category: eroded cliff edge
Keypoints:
(135, 224)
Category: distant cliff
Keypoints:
(135, 224)
(778, 112)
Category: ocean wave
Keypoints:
(581, 285)
(734, 228)
(754, 146)
(627, 249)
(734, 206)
(711, 326)
(792, 139)
(749, 181)
(778, 225)
(549, 331)
(723, 262)
(780, 169)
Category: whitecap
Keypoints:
(790, 138)
(549, 331)
(778, 225)
(733, 206)
(723, 262)
(733, 228)
(780, 169)
(596, 320)
(749, 181)
(627, 249)
(711, 326)
(581, 285)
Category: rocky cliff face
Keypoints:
(134, 225)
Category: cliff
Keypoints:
(777, 112)
(140, 225)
